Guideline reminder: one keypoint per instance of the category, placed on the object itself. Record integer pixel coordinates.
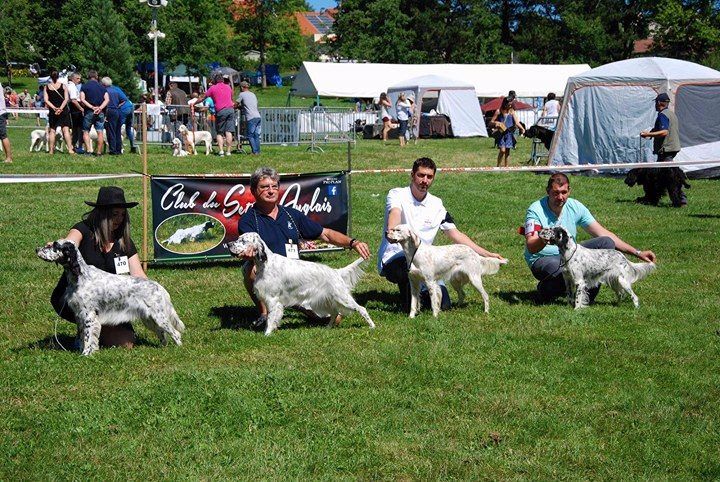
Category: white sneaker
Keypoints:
(221, 153)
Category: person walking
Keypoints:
(506, 122)
(248, 102)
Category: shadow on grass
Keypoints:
(234, 317)
(381, 300)
(705, 216)
(528, 298)
(67, 343)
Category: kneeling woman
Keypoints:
(103, 238)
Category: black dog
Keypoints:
(656, 182)
(543, 133)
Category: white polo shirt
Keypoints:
(425, 217)
(73, 93)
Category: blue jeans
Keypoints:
(253, 134)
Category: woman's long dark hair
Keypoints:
(100, 219)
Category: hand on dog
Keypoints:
(647, 256)
(362, 249)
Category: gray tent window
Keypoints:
(698, 110)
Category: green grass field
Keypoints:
(527, 392)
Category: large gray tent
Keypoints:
(605, 109)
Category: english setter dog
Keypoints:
(39, 140)
(189, 234)
(584, 268)
(457, 263)
(194, 138)
(99, 298)
(281, 282)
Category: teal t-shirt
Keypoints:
(573, 214)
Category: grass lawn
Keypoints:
(526, 392)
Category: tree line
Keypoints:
(111, 35)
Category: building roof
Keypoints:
(316, 23)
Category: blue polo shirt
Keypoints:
(94, 92)
(277, 232)
(127, 108)
(573, 214)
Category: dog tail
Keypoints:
(640, 270)
(176, 321)
(352, 273)
(491, 265)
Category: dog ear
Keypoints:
(415, 238)
(70, 252)
(561, 236)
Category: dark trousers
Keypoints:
(128, 121)
(113, 124)
(396, 272)
(76, 117)
(547, 269)
(680, 194)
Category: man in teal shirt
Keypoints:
(559, 209)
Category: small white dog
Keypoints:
(178, 150)
(281, 282)
(192, 139)
(189, 234)
(39, 140)
(457, 263)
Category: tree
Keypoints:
(96, 38)
(14, 33)
(687, 30)
(263, 21)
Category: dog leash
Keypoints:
(57, 340)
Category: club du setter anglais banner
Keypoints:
(195, 217)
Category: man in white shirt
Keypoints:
(426, 214)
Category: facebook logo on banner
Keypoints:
(333, 190)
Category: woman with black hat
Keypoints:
(103, 238)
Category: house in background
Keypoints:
(317, 25)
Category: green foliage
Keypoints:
(15, 34)
(688, 30)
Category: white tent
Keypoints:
(365, 80)
(456, 99)
(605, 109)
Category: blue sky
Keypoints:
(319, 4)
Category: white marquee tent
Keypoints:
(606, 108)
(365, 80)
(456, 99)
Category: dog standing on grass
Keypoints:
(191, 139)
(283, 282)
(584, 269)
(99, 298)
(427, 264)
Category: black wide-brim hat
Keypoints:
(111, 197)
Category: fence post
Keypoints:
(143, 109)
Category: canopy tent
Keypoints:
(493, 105)
(180, 75)
(456, 99)
(606, 108)
(490, 80)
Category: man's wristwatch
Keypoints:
(352, 243)
(638, 252)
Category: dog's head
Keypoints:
(249, 245)
(177, 143)
(63, 252)
(635, 176)
(531, 132)
(403, 234)
(207, 225)
(557, 236)
(182, 129)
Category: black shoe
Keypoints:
(134, 150)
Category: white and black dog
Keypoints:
(283, 282)
(99, 298)
(457, 263)
(189, 234)
(584, 268)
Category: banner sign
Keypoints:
(195, 217)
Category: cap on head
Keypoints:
(662, 97)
